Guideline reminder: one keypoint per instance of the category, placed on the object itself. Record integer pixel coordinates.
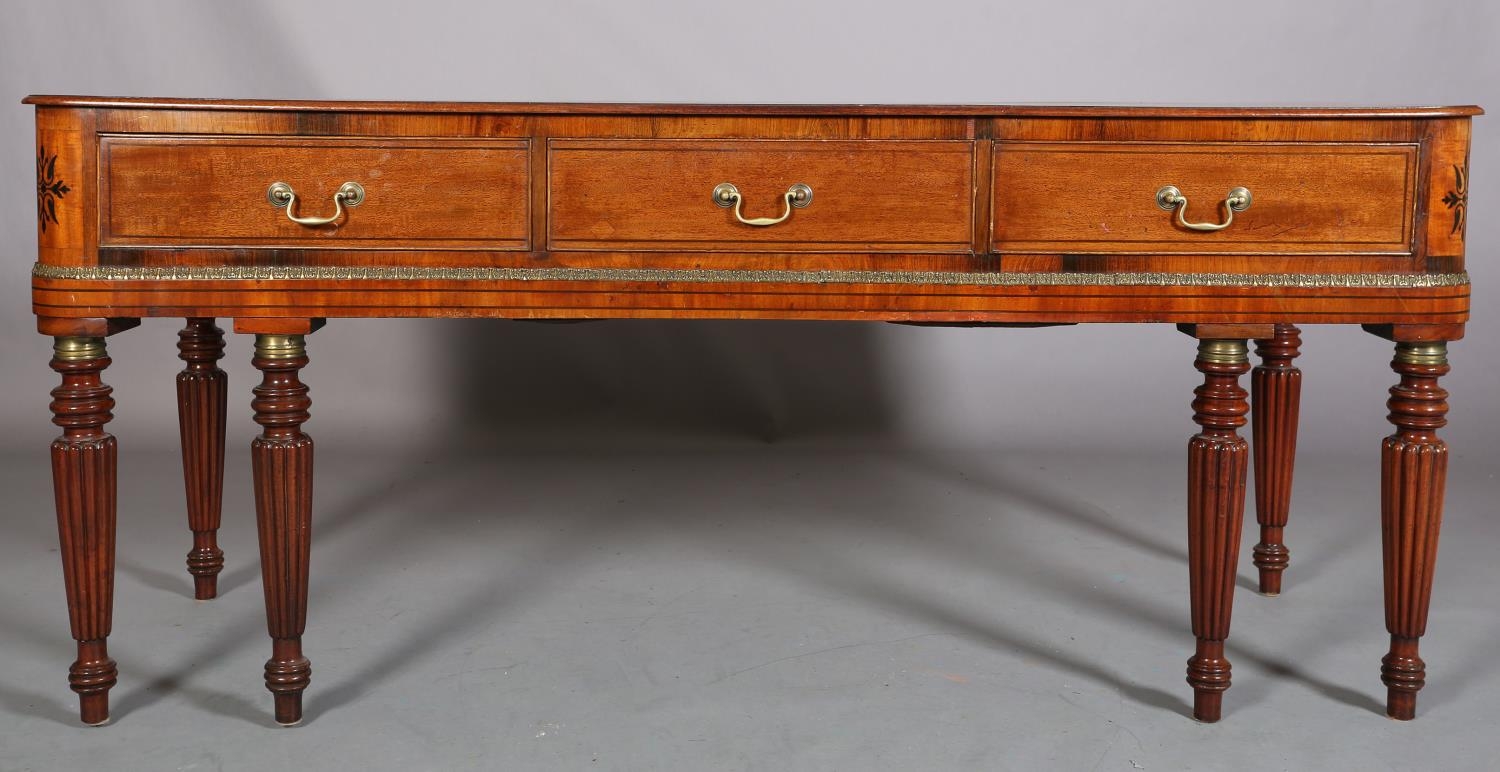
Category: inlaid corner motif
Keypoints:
(1458, 199)
(49, 189)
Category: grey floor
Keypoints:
(766, 607)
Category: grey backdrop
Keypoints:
(603, 608)
(382, 383)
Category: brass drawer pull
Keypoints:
(727, 195)
(281, 195)
(1168, 197)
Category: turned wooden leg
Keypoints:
(202, 395)
(282, 457)
(1413, 468)
(83, 474)
(1276, 390)
(1217, 461)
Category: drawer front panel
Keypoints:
(211, 191)
(1084, 197)
(657, 195)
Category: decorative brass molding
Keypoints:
(1458, 199)
(667, 275)
(49, 189)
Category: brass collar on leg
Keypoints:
(1429, 353)
(280, 346)
(1223, 352)
(68, 348)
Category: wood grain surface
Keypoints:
(1033, 193)
(1101, 197)
(196, 190)
(870, 195)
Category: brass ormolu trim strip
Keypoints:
(1224, 352)
(68, 348)
(1433, 353)
(674, 275)
(280, 346)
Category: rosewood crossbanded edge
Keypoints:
(1235, 224)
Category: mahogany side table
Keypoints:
(1233, 224)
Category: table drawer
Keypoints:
(212, 191)
(865, 195)
(1101, 197)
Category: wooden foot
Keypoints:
(1276, 391)
(1217, 462)
(282, 457)
(83, 474)
(1413, 470)
(202, 398)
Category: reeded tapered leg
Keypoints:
(282, 457)
(1217, 462)
(1275, 391)
(83, 474)
(1413, 470)
(202, 396)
